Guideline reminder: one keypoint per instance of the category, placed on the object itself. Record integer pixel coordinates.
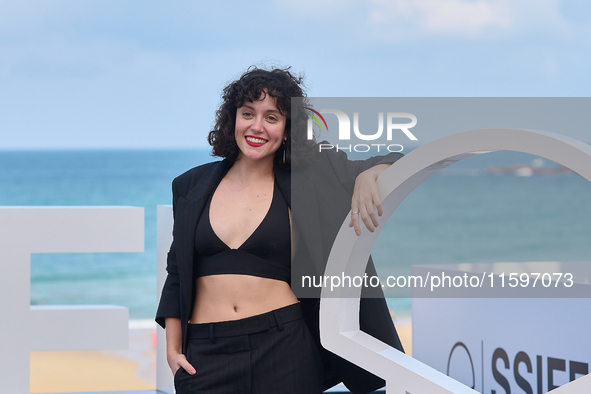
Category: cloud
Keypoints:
(317, 8)
(445, 16)
(374, 21)
(395, 19)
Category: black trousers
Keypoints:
(263, 354)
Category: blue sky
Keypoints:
(147, 74)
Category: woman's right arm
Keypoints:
(174, 345)
(168, 314)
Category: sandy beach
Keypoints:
(132, 369)
(110, 370)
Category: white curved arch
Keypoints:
(339, 308)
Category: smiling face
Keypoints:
(260, 129)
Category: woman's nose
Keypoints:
(257, 125)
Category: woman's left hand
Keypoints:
(366, 200)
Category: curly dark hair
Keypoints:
(253, 85)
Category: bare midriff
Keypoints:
(233, 297)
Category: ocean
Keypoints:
(464, 214)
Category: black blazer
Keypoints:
(326, 188)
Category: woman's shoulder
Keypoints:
(198, 171)
(189, 178)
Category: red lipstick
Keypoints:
(252, 143)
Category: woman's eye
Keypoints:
(272, 118)
(246, 114)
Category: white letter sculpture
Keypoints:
(339, 310)
(26, 230)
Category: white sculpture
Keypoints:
(339, 308)
(26, 230)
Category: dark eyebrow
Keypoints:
(276, 111)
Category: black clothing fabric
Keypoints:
(332, 170)
(268, 353)
(266, 253)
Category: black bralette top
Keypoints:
(266, 253)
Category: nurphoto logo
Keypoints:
(393, 127)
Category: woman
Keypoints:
(232, 322)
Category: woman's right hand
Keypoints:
(175, 357)
(178, 360)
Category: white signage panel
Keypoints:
(503, 345)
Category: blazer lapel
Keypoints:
(283, 178)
